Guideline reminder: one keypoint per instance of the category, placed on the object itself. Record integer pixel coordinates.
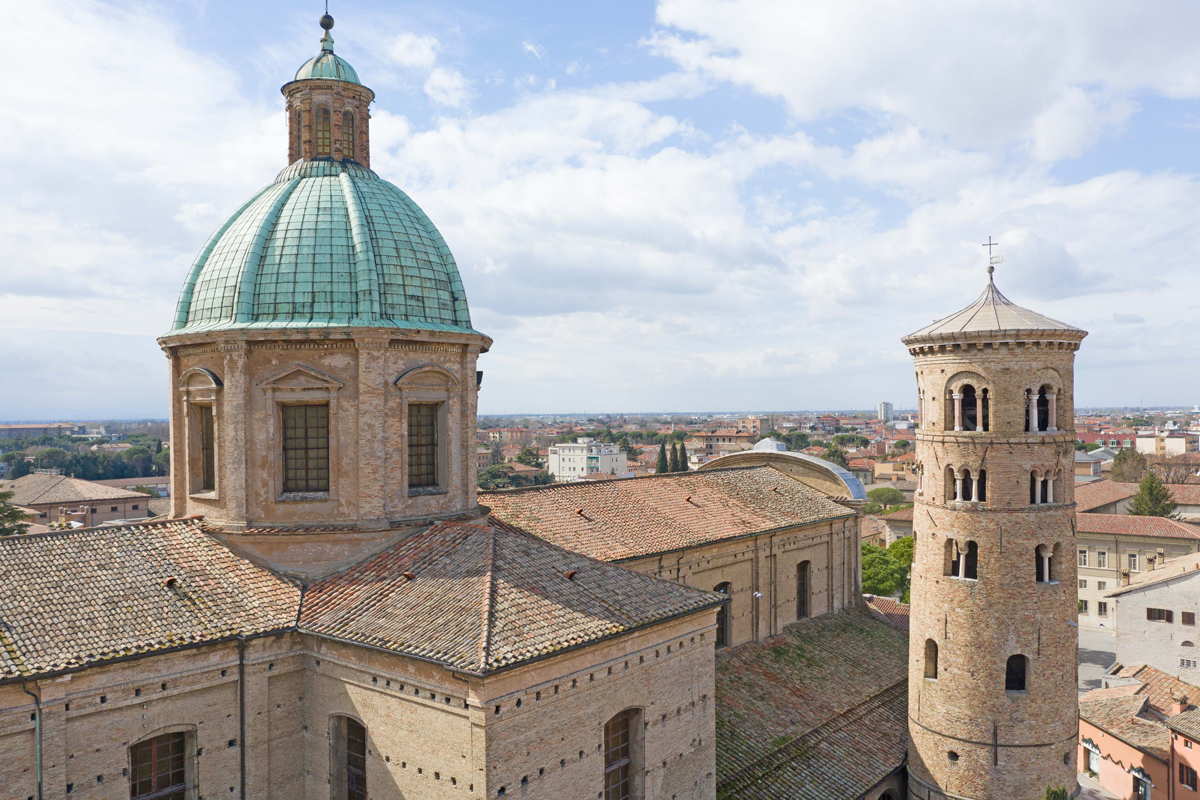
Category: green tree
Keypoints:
(836, 455)
(1056, 793)
(162, 462)
(529, 457)
(139, 459)
(886, 496)
(901, 552)
(496, 456)
(850, 440)
(663, 465)
(1128, 466)
(1153, 499)
(881, 574)
(52, 458)
(901, 446)
(673, 458)
(12, 519)
(683, 458)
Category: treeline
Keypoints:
(74, 456)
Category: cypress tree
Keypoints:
(674, 465)
(1153, 498)
(662, 467)
(683, 464)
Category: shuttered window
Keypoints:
(1159, 615)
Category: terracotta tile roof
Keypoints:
(889, 609)
(614, 520)
(1119, 716)
(900, 514)
(76, 598)
(486, 597)
(1168, 570)
(1127, 525)
(159, 506)
(1159, 687)
(817, 713)
(1187, 723)
(1186, 494)
(1101, 493)
(38, 489)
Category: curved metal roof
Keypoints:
(991, 312)
(328, 244)
(327, 65)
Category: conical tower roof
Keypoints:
(991, 313)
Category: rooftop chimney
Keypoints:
(1124, 577)
(1179, 703)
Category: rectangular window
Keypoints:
(1187, 663)
(1102, 609)
(208, 452)
(157, 768)
(1133, 562)
(1187, 776)
(1187, 617)
(1083, 583)
(1159, 615)
(1083, 560)
(306, 448)
(1083, 606)
(1102, 559)
(1101, 585)
(618, 757)
(422, 444)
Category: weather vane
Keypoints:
(992, 260)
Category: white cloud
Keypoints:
(411, 50)
(537, 51)
(446, 87)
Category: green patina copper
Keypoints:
(327, 65)
(327, 244)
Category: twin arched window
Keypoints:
(1046, 563)
(324, 132)
(1041, 409)
(962, 561)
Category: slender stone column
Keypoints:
(975, 488)
(957, 411)
(1050, 489)
(1052, 399)
(958, 486)
(1032, 408)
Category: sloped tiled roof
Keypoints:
(614, 520)
(1187, 723)
(900, 514)
(1101, 493)
(890, 610)
(1168, 570)
(1128, 525)
(81, 597)
(1119, 716)
(40, 489)
(1158, 687)
(486, 597)
(991, 312)
(817, 713)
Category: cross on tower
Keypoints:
(989, 245)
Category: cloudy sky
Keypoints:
(688, 205)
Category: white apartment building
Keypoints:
(886, 412)
(1156, 618)
(1167, 444)
(574, 462)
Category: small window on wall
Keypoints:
(723, 615)
(1015, 673)
(1133, 562)
(1102, 609)
(1159, 615)
(422, 444)
(1083, 583)
(1187, 617)
(1102, 559)
(156, 768)
(1083, 558)
(931, 659)
(1187, 776)
(306, 448)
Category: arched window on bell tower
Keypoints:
(348, 135)
(298, 135)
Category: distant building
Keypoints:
(586, 456)
(1165, 444)
(723, 441)
(44, 429)
(885, 412)
(751, 424)
(50, 497)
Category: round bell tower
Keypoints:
(993, 709)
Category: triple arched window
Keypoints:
(968, 408)
(1041, 409)
(966, 486)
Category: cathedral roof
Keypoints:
(633, 517)
(991, 313)
(483, 597)
(326, 65)
(328, 244)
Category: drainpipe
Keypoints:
(242, 713)
(37, 715)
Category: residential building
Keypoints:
(585, 456)
(510, 436)
(899, 523)
(1110, 497)
(1087, 465)
(902, 469)
(32, 430)
(483, 457)
(751, 424)
(885, 412)
(993, 626)
(1167, 445)
(723, 441)
(51, 497)
(1125, 730)
(1156, 616)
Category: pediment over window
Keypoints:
(199, 378)
(427, 376)
(299, 376)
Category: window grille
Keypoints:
(306, 448)
(422, 444)
(324, 131)
(157, 768)
(618, 757)
(347, 135)
(356, 760)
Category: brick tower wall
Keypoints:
(969, 737)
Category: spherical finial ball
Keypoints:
(991, 269)
(326, 21)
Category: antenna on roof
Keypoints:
(992, 260)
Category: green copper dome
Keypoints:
(327, 65)
(328, 244)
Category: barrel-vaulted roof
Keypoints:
(328, 244)
(992, 312)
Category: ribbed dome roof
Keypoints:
(327, 65)
(328, 244)
(991, 312)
